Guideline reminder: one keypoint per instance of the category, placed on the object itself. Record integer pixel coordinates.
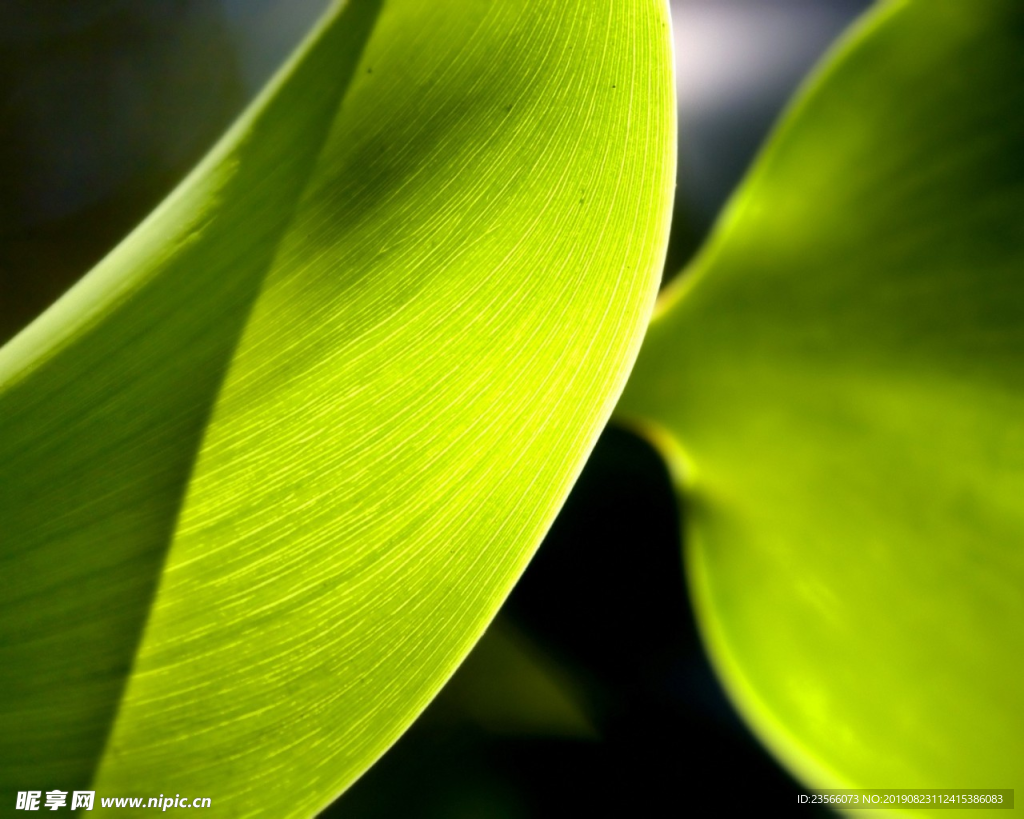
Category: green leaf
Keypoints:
(272, 466)
(839, 385)
(509, 685)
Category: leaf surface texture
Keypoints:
(273, 465)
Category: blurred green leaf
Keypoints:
(272, 466)
(510, 686)
(839, 385)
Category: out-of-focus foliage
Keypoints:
(838, 384)
(273, 465)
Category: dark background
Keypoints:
(106, 104)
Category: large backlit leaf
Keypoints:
(268, 470)
(839, 383)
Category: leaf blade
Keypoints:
(439, 331)
(92, 476)
(837, 385)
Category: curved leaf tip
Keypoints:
(270, 469)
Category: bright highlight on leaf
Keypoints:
(840, 382)
(269, 470)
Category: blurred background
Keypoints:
(591, 692)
